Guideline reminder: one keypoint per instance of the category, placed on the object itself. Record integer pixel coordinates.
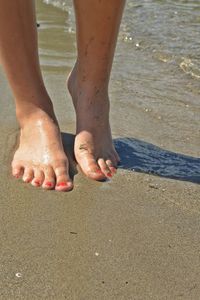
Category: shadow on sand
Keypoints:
(144, 157)
(140, 156)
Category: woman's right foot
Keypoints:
(40, 158)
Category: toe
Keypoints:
(63, 181)
(28, 174)
(90, 167)
(38, 177)
(17, 170)
(64, 185)
(111, 166)
(49, 178)
(104, 168)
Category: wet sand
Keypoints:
(135, 237)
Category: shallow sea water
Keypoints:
(155, 86)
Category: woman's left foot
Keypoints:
(94, 149)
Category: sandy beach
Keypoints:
(135, 237)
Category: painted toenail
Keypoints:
(113, 168)
(27, 180)
(64, 184)
(49, 184)
(99, 172)
(109, 174)
(37, 182)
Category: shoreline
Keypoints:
(135, 237)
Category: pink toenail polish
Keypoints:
(49, 184)
(109, 174)
(98, 172)
(64, 184)
(37, 182)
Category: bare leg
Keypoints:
(98, 23)
(40, 158)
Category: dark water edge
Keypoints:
(168, 29)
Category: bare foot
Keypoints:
(94, 149)
(40, 158)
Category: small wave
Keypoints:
(59, 4)
(190, 68)
(66, 6)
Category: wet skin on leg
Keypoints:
(40, 158)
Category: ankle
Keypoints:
(87, 87)
(32, 111)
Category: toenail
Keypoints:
(99, 171)
(62, 184)
(113, 168)
(109, 174)
(49, 184)
(27, 180)
(37, 182)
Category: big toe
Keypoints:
(64, 183)
(63, 180)
(90, 168)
